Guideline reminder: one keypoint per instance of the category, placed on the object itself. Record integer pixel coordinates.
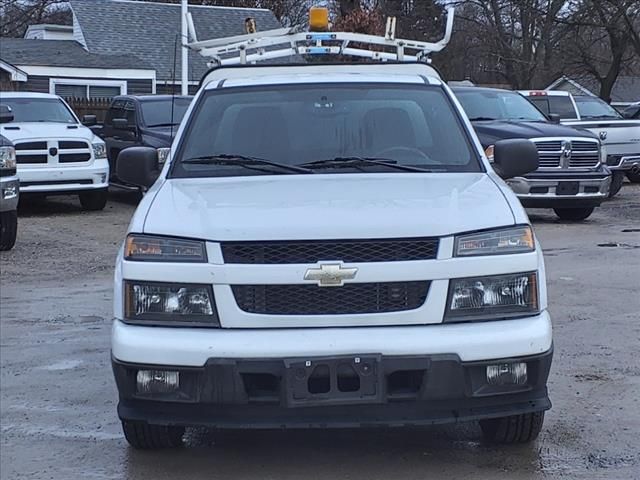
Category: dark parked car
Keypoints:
(571, 179)
(146, 120)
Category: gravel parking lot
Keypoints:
(58, 398)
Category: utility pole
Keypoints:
(185, 51)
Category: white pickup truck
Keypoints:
(329, 246)
(55, 153)
(620, 137)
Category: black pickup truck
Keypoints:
(144, 120)
(572, 178)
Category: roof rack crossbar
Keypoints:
(287, 42)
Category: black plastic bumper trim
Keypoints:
(450, 391)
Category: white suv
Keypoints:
(328, 246)
(55, 153)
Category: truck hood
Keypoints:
(17, 132)
(617, 136)
(491, 131)
(162, 135)
(327, 206)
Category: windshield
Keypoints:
(39, 110)
(497, 105)
(593, 107)
(157, 113)
(298, 124)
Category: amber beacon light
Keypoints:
(318, 19)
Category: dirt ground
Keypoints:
(58, 398)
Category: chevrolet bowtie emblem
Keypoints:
(330, 274)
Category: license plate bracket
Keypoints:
(568, 188)
(341, 380)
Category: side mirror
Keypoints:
(122, 124)
(514, 157)
(6, 115)
(554, 118)
(89, 120)
(138, 166)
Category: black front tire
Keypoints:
(143, 436)
(8, 229)
(574, 214)
(522, 428)
(634, 177)
(617, 179)
(94, 199)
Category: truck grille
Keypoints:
(351, 251)
(584, 154)
(354, 298)
(39, 152)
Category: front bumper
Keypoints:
(260, 393)
(64, 179)
(9, 192)
(624, 162)
(542, 190)
(193, 347)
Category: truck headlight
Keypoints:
(491, 298)
(603, 155)
(150, 248)
(156, 302)
(7, 158)
(489, 152)
(495, 242)
(99, 150)
(163, 155)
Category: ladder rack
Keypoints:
(288, 42)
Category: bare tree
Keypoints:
(602, 40)
(16, 16)
(516, 38)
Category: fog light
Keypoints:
(157, 381)
(9, 193)
(507, 374)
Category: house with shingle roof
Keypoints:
(116, 47)
(625, 91)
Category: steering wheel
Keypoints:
(386, 153)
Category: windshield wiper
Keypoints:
(345, 162)
(243, 161)
(482, 119)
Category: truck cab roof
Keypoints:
(388, 72)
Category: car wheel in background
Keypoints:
(8, 229)
(617, 179)
(634, 177)
(574, 214)
(143, 436)
(94, 199)
(515, 429)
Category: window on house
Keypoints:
(92, 90)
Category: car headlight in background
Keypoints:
(603, 155)
(163, 249)
(153, 302)
(489, 152)
(492, 297)
(495, 242)
(7, 158)
(163, 155)
(99, 150)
